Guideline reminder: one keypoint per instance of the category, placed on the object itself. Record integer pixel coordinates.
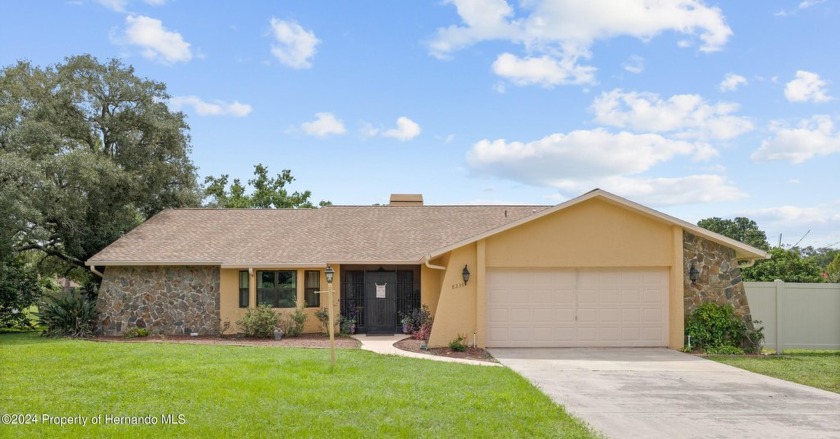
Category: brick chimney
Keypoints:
(406, 200)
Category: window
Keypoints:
(312, 282)
(277, 289)
(244, 292)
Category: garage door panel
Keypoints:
(653, 315)
(607, 315)
(577, 307)
(565, 315)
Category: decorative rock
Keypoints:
(171, 300)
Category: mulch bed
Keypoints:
(412, 345)
(304, 341)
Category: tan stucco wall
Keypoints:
(430, 286)
(594, 233)
(229, 301)
(456, 309)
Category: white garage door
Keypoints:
(577, 307)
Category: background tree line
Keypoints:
(791, 264)
(89, 150)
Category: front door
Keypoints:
(380, 302)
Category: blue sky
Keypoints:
(694, 108)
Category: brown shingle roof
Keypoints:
(337, 234)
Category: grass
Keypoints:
(226, 391)
(819, 369)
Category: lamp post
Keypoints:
(329, 273)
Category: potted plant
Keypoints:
(407, 322)
(348, 325)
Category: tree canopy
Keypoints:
(787, 264)
(740, 229)
(833, 269)
(87, 151)
(267, 192)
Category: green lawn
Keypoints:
(231, 391)
(813, 368)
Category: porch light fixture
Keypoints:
(693, 274)
(329, 272)
(466, 274)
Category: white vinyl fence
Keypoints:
(796, 316)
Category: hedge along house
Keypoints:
(597, 270)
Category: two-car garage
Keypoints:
(577, 307)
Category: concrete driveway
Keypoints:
(660, 393)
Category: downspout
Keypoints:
(435, 267)
(747, 264)
(96, 272)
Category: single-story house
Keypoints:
(597, 270)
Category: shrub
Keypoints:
(458, 344)
(292, 325)
(19, 290)
(416, 318)
(68, 315)
(420, 322)
(323, 316)
(259, 322)
(136, 332)
(724, 350)
(716, 329)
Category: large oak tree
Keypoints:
(88, 150)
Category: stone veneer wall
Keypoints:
(719, 280)
(170, 300)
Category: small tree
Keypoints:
(19, 290)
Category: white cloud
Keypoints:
(544, 70)
(732, 81)
(807, 86)
(578, 154)
(582, 160)
(405, 130)
(808, 3)
(325, 124)
(793, 215)
(687, 116)
(811, 138)
(667, 191)
(294, 46)
(215, 108)
(557, 34)
(156, 42)
(114, 5)
(636, 64)
(155, 2)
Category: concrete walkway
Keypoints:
(384, 344)
(661, 393)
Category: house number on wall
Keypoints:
(458, 285)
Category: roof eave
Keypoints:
(747, 252)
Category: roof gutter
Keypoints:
(426, 260)
(750, 262)
(96, 272)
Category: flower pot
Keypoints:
(406, 328)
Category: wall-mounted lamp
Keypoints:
(329, 273)
(466, 275)
(693, 274)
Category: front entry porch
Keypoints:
(375, 295)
